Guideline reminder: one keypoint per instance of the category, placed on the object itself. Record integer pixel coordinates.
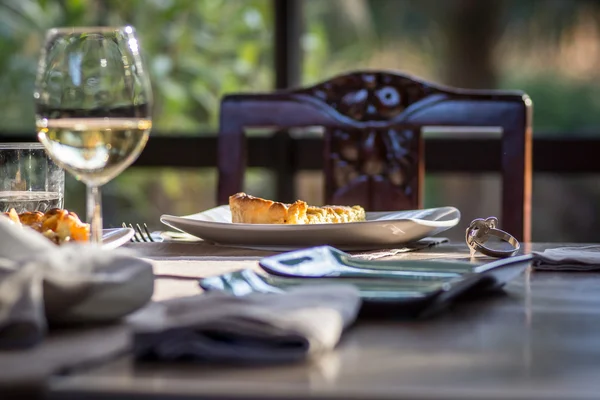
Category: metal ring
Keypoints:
(480, 230)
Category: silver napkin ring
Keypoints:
(480, 231)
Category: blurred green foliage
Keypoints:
(195, 51)
(548, 48)
(561, 106)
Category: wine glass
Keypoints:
(93, 103)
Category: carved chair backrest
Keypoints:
(373, 143)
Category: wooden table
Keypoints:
(539, 340)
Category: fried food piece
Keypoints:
(32, 219)
(13, 216)
(70, 225)
(56, 224)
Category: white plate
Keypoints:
(381, 229)
(113, 238)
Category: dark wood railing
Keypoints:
(286, 155)
(565, 154)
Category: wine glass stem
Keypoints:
(94, 213)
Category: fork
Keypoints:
(140, 235)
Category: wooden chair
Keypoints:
(373, 144)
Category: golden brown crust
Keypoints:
(56, 224)
(13, 216)
(249, 209)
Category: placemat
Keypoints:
(203, 250)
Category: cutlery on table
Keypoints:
(142, 234)
(328, 262)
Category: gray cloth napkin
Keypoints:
(585, 258)
(256, 328)
(42, 283)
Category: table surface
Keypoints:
(540, 339)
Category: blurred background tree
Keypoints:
(547, 48)
(197, 50)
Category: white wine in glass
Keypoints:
(93, 105)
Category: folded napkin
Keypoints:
(259, 328)
(584, 258)
(41, 284)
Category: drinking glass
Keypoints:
(29, 179)
(93, 103)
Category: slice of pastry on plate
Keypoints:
(249, 209)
